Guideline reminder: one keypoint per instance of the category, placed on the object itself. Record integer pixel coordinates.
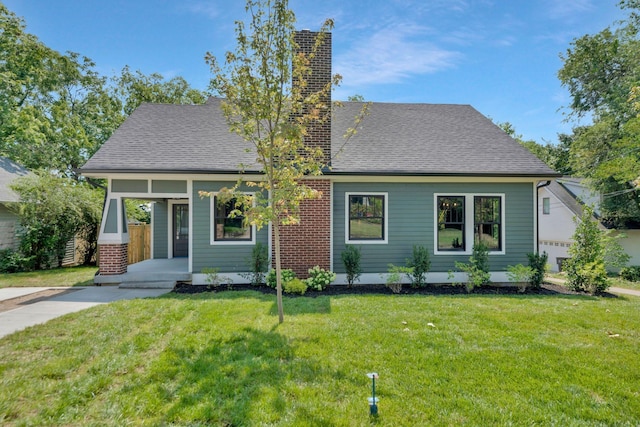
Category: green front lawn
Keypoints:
(223, 359)
(68, 276)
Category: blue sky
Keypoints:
(500, 56)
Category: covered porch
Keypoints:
(150, 273)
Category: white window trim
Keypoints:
(385, 238)
(469, 222)
(212, 222)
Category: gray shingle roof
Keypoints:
(9, 171)
(414, 139)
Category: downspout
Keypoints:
(538, 187)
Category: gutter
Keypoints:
(538, 187)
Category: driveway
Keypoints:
(32, 306)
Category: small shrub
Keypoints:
(394, 277)
(214, 279)
(287, 275)
(478, 267)
(12, 261)
(351, 260)
(319, 279)
(631, 273)
(586, 268)
(420, 265)
(294, 286)
(538, 264)
(258, 265)
(521, 275)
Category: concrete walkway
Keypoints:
(613, 290)
(78, 299)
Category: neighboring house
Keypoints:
(9, 171)
(558, 204)
(415, 174)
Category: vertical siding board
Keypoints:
(411, 221)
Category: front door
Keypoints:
(180, 231)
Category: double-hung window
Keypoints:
(488, 221)
(366, 219)
(229, 222)
(451, 236)
(465, 219)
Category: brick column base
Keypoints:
(113, 258)
(308, 243)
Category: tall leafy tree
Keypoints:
(272, 114)
(602, 72)
(51, 211)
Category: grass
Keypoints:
(67, 276)
(614, 280)
(223, 360)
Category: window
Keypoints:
(463, 219)
(451, 223)
(487, 227)
(229, 222)
(366, 218)
(546, 206)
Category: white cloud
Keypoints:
(391, 55)
(206, 8)
(568, 8)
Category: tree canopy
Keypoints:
(56, 110)
(602, 74)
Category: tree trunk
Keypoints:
(276, 243)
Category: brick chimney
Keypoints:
(319, 134)
(308, 243)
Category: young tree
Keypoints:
(268, 103)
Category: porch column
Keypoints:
(113, 241)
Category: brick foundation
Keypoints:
(113, 259)
(308, 243)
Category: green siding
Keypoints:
(228, 258)
(411, 222)
(129, 186)
(164, 186)
(160, 230)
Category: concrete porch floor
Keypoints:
(151, 270)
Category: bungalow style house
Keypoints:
(558, 204)
(440, 176)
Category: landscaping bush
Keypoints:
(214, 279)
(12, 261)
(394, 278)
(521, 275)
(319, 278)
(258, 265)
(287, 275)
(420, 265)
(586, 268)
(351, 260)
(631, 273)
(538, 265)
(294, 286)
(478, 267)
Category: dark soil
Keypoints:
(360, 289)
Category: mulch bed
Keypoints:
(368, 289)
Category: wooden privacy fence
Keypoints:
(139, 242)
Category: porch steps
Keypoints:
(160, 284)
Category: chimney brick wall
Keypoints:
(319, 133)
(308, 243)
